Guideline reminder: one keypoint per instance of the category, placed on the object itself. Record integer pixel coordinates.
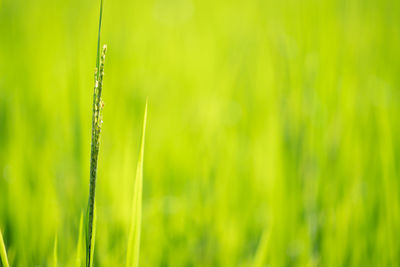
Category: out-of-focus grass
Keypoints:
(3, 252)
(268, 119)
(133, 251)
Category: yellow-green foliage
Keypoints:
(3, 252)
(55, 252)
(136, 219)
(79, 243)
(274, 134)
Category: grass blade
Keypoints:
(79, 245)
(55, 258)
(3, 252)
(136, 219)
(261, 253)
(94, 237)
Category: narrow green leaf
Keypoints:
(55, 260)
(94, 235)
(136, 216)
(3, 252)
(262, 249)
(79, 244)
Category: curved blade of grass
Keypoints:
(3, 252)
(94, 236)
(261, 253)
(55, 260)
(90, 249)
(78, 245)
(136, 219)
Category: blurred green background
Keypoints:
(272, 133)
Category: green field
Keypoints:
(272, 131)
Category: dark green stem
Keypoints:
(98, 39)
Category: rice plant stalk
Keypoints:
(3, 252)
(97, 120)
(136, 219)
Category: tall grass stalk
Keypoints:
(97, 121)
(3, 252)
(136, 219)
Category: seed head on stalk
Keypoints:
(97, 121)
